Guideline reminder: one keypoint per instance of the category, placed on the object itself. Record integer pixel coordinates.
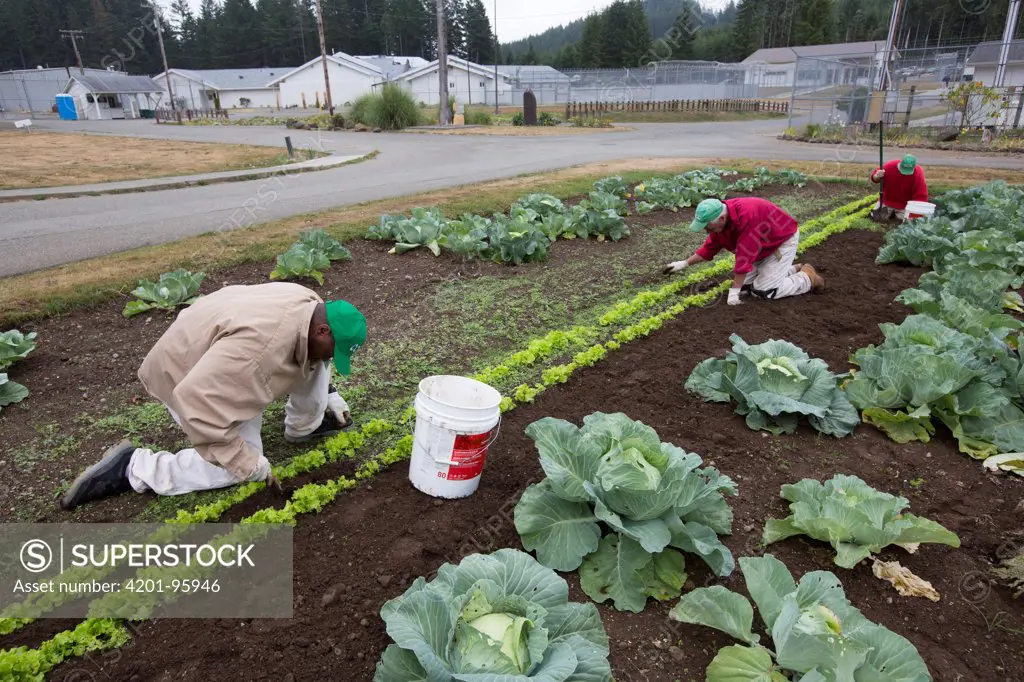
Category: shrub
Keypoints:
(477, 117)
(395, 109)
(519, 119)
(546, 119)
(362, 110)
(338, 120)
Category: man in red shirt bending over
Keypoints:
(764, 239)
(902, 181)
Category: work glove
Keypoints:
(263, 473)
(337, 406)
(734, 296)
(673, 268)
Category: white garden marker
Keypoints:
(457, 420)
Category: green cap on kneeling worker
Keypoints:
(708, 211)
(348, 327)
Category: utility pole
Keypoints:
(1004, 51)
(163, 55)
(497, 109)
(442, 65)
(323, 55)
(75, 36)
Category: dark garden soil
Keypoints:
(369, 545)
(85, 365)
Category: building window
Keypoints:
(482, 84)
(451, 85)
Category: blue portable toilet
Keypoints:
(66, 108)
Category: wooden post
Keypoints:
(910, 106)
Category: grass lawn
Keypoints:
(41, 159)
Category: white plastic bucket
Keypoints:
(457, 420)
(919, 209)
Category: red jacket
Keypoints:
(898, 189)
(755, 230)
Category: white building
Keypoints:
(304, 86)
(223, 88)
(469, 83)
(982, 64)
(36, 90)
(834, 64)
(393, 66)
(112, 95)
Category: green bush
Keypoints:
(478, 117)
(546, 119)
(390, 109)
(362, 110)
(519, 119)
(395, 109)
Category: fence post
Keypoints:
(566, 111)
(1020, 108)
(910, 106)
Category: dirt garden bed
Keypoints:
(371, 543)
(83, 374)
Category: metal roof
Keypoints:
(114, 83)
(393, 66)
(786, 55)
(988, 53)
(530, 73)
(457, 62)
(233, 79)
(339, 58)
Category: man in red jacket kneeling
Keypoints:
(764, 239)
(902, 181)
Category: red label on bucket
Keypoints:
(468, 455)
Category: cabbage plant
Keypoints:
(15, 346)
(517, 240)
(319, 240)
(11, 392)
(857, 520)
(301, 261)
(543, 205)
(618, 504)
(774, 385)
(817, 634)
(170, 291)
(500, 617)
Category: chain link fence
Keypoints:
(837, 95)
(32, 93)
(665, 81)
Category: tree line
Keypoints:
(232, 34)
(685, 30)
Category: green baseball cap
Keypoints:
(707, 211)
(908, 164)
(348, 327)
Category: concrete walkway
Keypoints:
(40, 234)
(179, 181)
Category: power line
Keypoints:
(75, 35)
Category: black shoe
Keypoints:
(106, 478)
(330, 426)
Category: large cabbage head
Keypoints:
(500, 617)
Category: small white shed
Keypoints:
(304, 86)
(470, 83)
(112, 95)
(223, 88)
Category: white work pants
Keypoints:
(774, 277)
(170, 473)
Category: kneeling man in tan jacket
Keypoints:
(216, 369)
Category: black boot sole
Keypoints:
(111, 458)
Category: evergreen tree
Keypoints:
(748, 31)
(455, 27)
(636, 48)
(479, 36)
(531, 56)
(591, 46)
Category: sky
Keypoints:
(521, 18)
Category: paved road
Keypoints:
(39, 234)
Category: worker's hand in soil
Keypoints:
(673, 268)
(734, 297)
(274, 484)
(337, 406)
